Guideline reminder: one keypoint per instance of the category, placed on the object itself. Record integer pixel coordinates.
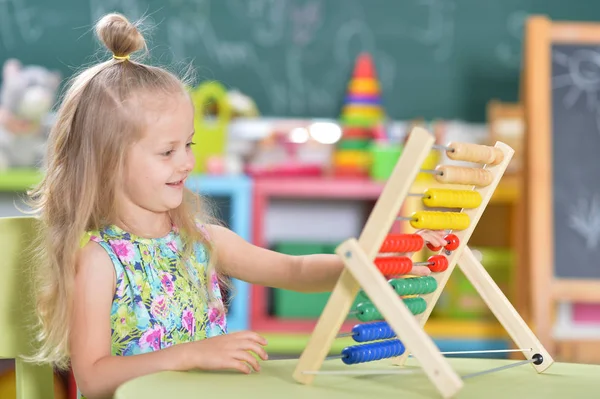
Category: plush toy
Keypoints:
(241, 104)
(27, 96)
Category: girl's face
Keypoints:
(157, 165)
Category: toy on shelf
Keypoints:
(362, 116)
(211, 120)
(242, 106)
(294, 148)
(27, 96)
(397, 309)
(506, 122)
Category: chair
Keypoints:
(17, 308)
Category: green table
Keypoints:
(561, 380)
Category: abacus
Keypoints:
(396, 310)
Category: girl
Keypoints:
(142, 295)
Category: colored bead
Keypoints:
(372, 331)
(373, 351)
(402, 243)
(366, 311)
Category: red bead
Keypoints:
(453, 242)
(432, 247)
(394, 265)
(402, 243)
(439, 263)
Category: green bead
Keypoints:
(367, 312)
(396, 285)
(362, 295)
(414, 286)
(416, 305)
(431, 285)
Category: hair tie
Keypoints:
(119, 57)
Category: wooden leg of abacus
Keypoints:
(495, 299)
(378, 224)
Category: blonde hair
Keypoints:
(85, 158)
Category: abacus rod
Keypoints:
(432, 171)
(487, 351)
(418, 195)
(332, 357)
(442, 147)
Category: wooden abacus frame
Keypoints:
(361, 272)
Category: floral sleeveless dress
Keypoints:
(155, 304)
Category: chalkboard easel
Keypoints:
(561, 184)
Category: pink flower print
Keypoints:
(215, 315)
(167, 282)
(214, 279)
(94, 238)
(159, 306)
(123, 249)
(152, 338)
(189, 321)
(172, 245)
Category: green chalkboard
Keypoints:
(435, 58)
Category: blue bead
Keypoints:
(372, 331)
(373, 351)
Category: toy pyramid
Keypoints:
(361, 114)
(362, 105)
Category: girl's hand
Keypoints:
(226, 352)
(435, 237)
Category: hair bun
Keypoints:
(119, 35)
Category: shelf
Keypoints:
(19, 179)
(348, 188)
(318, 188)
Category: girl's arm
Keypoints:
(97, 373)
(308, 273)
(239, 259)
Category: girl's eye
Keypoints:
(190, 144)
(167, 153)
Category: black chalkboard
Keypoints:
(435, 58)
(576, 161)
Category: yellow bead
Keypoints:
(448, 198)
(438, 220)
